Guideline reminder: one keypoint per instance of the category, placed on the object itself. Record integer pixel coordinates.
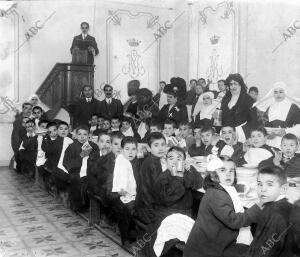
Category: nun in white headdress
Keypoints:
(204, 110)
(36, 101)
(281, 112)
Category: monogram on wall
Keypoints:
(130, 54)
(213, 37)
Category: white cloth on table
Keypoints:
(66, 143)
(227, 150)
(142, 129)
(174, 226)
(123, 179)
(244, 236)
(256, 155)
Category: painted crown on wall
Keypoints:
(133, 42)
(214, 39)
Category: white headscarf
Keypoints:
(39, 102)
(277, 110)
(205, 111)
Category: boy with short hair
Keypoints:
(37, 113)
(169, 128)
(28, 149)
(115, 124)
(75, 162)
(271, 234)
(257, 140)
(185, 130)
(93, 123)
(63, 129)
(206, 146)
(253, 92)
(228, 144)
(150, 170)
(127, 130)
(100, 122)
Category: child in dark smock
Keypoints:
(222, 226)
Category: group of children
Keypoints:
(147, 177)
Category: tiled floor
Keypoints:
(33, 224)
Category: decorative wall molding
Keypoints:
(134, 64)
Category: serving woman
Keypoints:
(236, 106)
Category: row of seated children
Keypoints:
(222, 227)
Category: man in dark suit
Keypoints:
(85, 42)
(110, 107)
(173, 110)
(84, 109)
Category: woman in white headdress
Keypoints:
(281, 111)
(36, 101)
(204, 109)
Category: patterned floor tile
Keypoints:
(64, 250)
(34, 241)
(35, 229)
(34, 224)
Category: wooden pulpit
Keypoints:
(62, 87)
(79, 56)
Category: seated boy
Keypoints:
(37, 113)
(151, 168)
(93, 123)
(115, 124)
(170, 127)
(28, 149)
(273, 225)
(75, 162)
(255, 148)
(127, 130)
(185, 131)
(228, 144)
(100, 122)
(206, 146)
(56, 151)
(100, 174)
(153, 126)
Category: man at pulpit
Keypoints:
(85, 42)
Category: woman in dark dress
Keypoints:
(236, 106)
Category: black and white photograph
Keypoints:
(150, 128)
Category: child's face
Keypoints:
(158, 147)
(197, 133)
(226, 173)
(94, 121)
(206, 138)
(52, 131)
(37, 113)
(228, 135)
(27, 108)
(130, 151)
(184, 131)
(253, 95)
(82, 136)
(106, 125)
(116, 146)
(174, 158)
(43, 125)
(104, 144)
(100, 122)
(29, 127)
(258, 139)
(115, 124)
(169, 130)
(24, 120)
(289, 147)
(269, 188)
(154, 129)
(125, 125)
(63, 130)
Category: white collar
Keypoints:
(280, 197)
(108, 100)
(84, 35)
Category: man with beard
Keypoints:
(110, 107)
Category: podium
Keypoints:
(62, 87)
(79, 56)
